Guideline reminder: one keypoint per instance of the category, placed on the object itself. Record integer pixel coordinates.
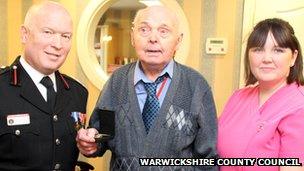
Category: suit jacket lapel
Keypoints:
(30, 92)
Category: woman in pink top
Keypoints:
(266, 118)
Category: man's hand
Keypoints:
(86, 142)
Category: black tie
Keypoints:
(51, 94)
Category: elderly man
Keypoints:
(37, 131)
(162, 109)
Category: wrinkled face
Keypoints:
(155, 37)
(47, 41)
(271, 63)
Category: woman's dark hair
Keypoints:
(284, 35)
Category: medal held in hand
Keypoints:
(79, 119)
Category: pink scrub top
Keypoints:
(274, 130)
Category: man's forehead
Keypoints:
(159, 24)
(47, 11)
(158, 20)
(59, 20)
(156, 16)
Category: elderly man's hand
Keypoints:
(86, 142)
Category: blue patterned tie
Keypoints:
(151, 106)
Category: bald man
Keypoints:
(163, 109)
(37, 102)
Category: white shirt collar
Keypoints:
(35, 75)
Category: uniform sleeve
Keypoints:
(84, 96)
(291, 129)
(205, 142)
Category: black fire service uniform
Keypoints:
(32, 135)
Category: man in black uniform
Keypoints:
(38, 105)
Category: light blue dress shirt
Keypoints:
(139, 85)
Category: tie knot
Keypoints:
(47, 82)
(160, 79)
(151, 87)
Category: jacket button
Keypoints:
(57, 166)
(55, 118)
(57, 141)
(17, 132)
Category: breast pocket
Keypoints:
(20, 142)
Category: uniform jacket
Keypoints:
(48, 141)
(184, 128)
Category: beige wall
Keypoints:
(221, 73)
(227, 66)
